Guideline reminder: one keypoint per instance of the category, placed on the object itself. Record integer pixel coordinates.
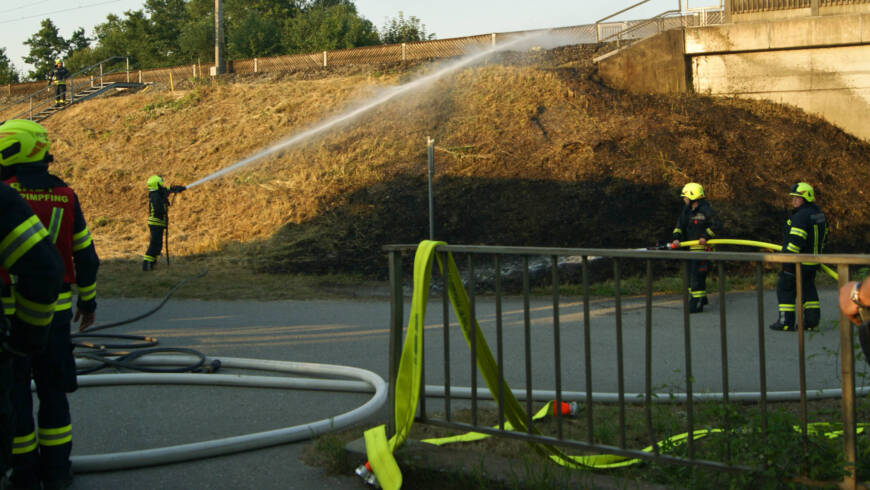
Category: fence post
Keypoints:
(397, 299)
(255, 65)
(814, 8)
(430, 150)
(493, 39)
(847, 375)
(404, 47)
(727, 18)
(101, 74)
(127, 70)
(324, 59)
(140, 76)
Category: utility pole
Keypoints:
(219, 67)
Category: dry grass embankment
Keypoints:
(530, 150)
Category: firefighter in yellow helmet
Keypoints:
(697, 221)
(58, 76)
(41, 452)
(806, 231)
(158, 218)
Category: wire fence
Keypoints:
(366, 55)
(447, 48)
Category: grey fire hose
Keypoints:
(370, 382)
(364, 381)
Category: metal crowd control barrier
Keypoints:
(445, 366)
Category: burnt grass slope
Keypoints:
(531, 149)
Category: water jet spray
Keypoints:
(540, 40)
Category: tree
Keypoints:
(197, 39)
(48, 45)
(45, 46)
(402, 30)
(322, 27)
(8, 74)
(166, 21)
(256, 35)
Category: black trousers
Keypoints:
(155, 246)
(43, 452)
(7, 416)
(786, 295)
(60, 93)
(698, 277)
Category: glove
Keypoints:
(175, 189)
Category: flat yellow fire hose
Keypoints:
(380, 451)
(753, 243)
(407, 391)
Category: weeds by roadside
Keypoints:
(780, 457)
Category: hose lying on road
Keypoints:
(99, 351)
(216, 447)
(149, 312)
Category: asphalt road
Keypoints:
(355, 333)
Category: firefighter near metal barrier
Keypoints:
(41, 451)
(697, 221)
(158, 219)
(58, 76)
(806, 231)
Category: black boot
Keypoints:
(782, 327)
(147, 265)
(812, 317)
(696, 305)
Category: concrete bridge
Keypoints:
(815, 57)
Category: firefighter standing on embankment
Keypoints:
(158, 218)
(697, 221)
(805, 233)
(41, 455)
(58, 75)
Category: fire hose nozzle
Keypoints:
(177, 189)
(365, 472)
(569, 409)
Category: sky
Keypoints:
(20, 19)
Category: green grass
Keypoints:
(778, 457)
(230, 278)
(225, 280)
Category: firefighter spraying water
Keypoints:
(158, 219)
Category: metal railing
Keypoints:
(512, 326)
(682, 16)
(90, 76)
